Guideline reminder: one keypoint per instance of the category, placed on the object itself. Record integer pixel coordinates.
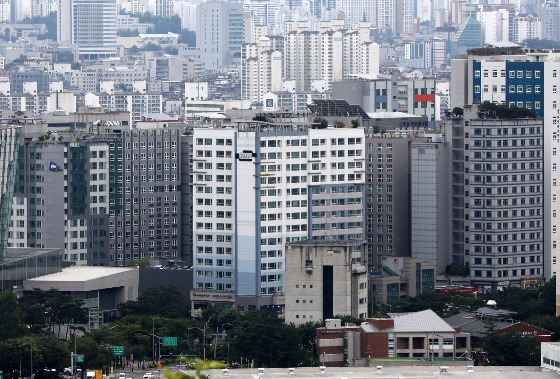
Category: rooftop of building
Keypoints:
(83, 273)
(325, 243)
(430, 370)
(376, 115)
(421, 321)
(472, 322)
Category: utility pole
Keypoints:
(215, 342)
(204, 341)
(31, 373)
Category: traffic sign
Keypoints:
(79, 359)
(117, 350)
(169, 341)
(1, 375)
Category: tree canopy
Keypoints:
(501, 111)
(157, 301)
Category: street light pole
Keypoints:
(215, 342)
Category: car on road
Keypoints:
(148, 375)
(122, 376)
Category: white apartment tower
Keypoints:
(261, 70)
(358, 11)
(330, 54)
(257, 187)
(90, 24)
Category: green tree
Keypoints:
(458, 111)
(512, 349)
(323, 124)
(12, 325)
(95, 355)
(188, 37)
(355, 123)
(456, 270)
(142, 262)
(547, 322)
(150, 47)
(49, 21)
(262, 337)
(171, 50)
(160, 300)
(128, 33)
(502, 111)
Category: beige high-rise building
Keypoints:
(330, 54)
(261, 70)
(324, 279)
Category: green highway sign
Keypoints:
(117, 350)
(169, 341)
(79, 359)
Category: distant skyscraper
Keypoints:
(91, 24)
(550, 17)
(219, 32)
(467, 37)
(164, 8)
(358, 10)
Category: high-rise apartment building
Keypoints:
(261, 70)
(330, 54)
(358, 11)
(257, 187)
(104, 200)
(526, 80)
(497, 197)
(430, 200)
(219, 33)
(164, 8)
(526, 26)
(144, 194)
(387, 197)
(90, 24)
(550, 19)
(61, 199)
